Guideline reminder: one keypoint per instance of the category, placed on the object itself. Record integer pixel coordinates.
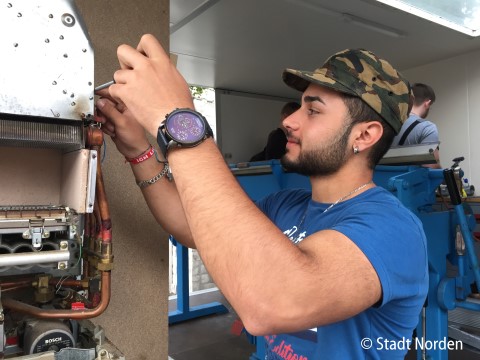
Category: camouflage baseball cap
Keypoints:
(361, 73)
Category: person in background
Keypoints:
(277, 139)
(327, 273)
(416, 130)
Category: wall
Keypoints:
(456, 112)
(137, 317)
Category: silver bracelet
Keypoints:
(144, 183)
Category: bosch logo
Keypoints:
(54, 340)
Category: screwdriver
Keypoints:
(104, 86)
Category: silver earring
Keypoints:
(355, 150)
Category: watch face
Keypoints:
(185, 127)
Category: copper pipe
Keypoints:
(94, 224)
(86, 242)
(97, 234)
(105, 234)
(29, 282)
(5, 285)
(95, 140)
(65, 314)
(97, 218)
(67, 282)
(94, 137)
(21, 286)
(106, 221)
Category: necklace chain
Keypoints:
(336, 202)
(302, 220)
(346, 196)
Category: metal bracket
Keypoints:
(36, 231)
(91, 180)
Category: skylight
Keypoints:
(459, 15)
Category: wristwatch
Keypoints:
(182, 128)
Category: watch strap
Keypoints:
(208, 130)
(162, 140)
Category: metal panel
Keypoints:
(91, 181)
(47, 60)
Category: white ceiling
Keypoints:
(244, 45)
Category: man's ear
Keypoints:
(367, 134)
(428, 103)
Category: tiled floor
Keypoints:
(210, 337)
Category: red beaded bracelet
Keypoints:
(147, 154)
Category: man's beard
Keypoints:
(325, 160)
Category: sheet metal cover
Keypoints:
(47, 60)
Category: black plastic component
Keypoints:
(449, 177)
(457, 161)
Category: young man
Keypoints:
(277, 139)
(416, 130)
(327, 274)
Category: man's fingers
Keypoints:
(150, 47)
(107, 126)
(110, 109)
(128, 57)
(121, 107)
(110, 133)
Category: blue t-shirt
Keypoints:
(393, 240)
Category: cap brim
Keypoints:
(299, 80)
